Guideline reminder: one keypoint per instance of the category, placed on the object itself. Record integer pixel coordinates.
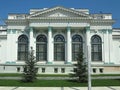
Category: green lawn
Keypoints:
(10, 74)
(58, 83)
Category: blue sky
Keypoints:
(95, 6)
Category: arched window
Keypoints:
(22, 48)
(96, 48)
(41, 48)
(77, 45)
(59, 48)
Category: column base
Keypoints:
(49, 63)
(68, 63)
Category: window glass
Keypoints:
(41, 48)
(22, 48)
(59, 48)
(96, 48)
(77, 45)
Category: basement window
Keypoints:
(55, 70)
(101, 70)
(43, 70)
(62, 70)
(94, 70)
(18, 69)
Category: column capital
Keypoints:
(30, 29)
(87, 28)
(68, 27)
(109, 31)
(9, 31)
(104, 31)
(49, 28)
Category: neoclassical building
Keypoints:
(58, 35)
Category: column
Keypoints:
(50, 47)
(69, 48)
(31, 38)
(88, 49)
(106, 47)
(87, 36)
(88, 44)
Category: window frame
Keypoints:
(59, 48)
(23, 41)
(77, 40)
(41, 43)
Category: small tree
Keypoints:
(81, 68)
(30, 70)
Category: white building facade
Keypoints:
(58, 35)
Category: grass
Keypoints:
(105, 75)
(41, 83)
(10, 74)
(58, 83)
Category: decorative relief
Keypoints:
(58, 14)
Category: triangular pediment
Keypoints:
(58, 12)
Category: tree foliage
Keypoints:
(30, 70)
(80, 70)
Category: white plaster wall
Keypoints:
(3, 49)
(11, 47)
(116, 51)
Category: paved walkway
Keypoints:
(59, 88)
(63, 78)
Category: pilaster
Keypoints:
(88, 44)
(110, 46)
(50, 47)
(69, 48)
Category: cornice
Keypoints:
(17, 21)
(103, 21)
(60, 19)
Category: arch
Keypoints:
(77, 46)
(59, 38)
(59, 48)
(41, 48)
(22, 48)
(96, 48)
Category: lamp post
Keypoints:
(89, 67)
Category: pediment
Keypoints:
(58, 12)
